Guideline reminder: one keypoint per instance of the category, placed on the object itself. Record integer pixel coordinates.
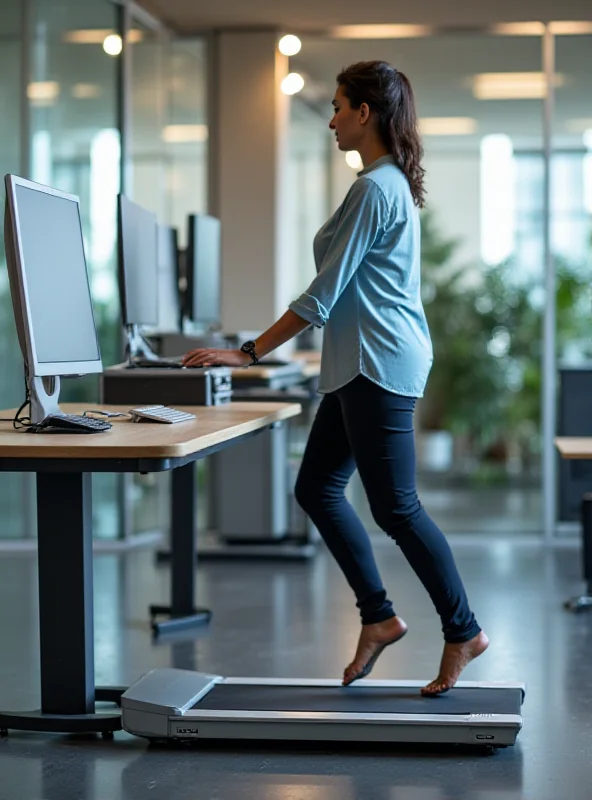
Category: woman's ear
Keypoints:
(364, 112)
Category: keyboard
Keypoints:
(70, 423)
(160, 363)
(160, 414)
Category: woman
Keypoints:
(376, 359)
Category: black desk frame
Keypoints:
(584, 602)
(65, 558)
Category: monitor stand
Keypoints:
(44, 393)
(137, 346)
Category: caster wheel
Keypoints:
(107, 736)
(3, 733)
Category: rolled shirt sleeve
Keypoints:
(362, 219)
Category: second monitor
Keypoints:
(201, 302)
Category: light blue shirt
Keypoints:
(367, 290)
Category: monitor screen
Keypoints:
(53, 279)
(203, 269)
(169, 306)
(138, 264)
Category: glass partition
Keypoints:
(571, 241)
(12, 486)
(480, 102)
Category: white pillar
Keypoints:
(248, 175)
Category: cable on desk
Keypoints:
(19, 422)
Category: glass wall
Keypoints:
(72, 141)
(12, 487)
(483, 274)
(168, 175)
(478, 454)
(186, 133)
(75, 146)
(309, 196)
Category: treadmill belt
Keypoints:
(360, 699)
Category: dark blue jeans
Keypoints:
(363, 425)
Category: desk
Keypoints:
(63, 464)
(581, 448)
(272, 376)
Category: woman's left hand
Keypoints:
(206, 357)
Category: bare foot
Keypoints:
(454, 659)
(373, 639)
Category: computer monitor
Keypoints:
(202, 270)
(138, 274)
(50, 289)
(138, 264)
(169, 304)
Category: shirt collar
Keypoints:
(378, 163)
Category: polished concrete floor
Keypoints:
(299, 620)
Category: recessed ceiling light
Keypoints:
(353, 159)
(567, 28)
(113, 44)
(182, 134)
(289, 45)
(380, 31)
(292, 83)
(447, 126)
(512, 85)
(86, 91)
(43, 93)
(519, 28)
(98, 36)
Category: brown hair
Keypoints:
(388, 93)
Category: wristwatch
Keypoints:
(249, 349)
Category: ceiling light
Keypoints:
(519, 28)
(292, 83)
(447, 126)
(380, 31)
(289, 45)
(98, 36)
(43, 93)
(181, 134)
(86, 91)
(512, 85)
(353, 159)
(568, 28)
(113, 44)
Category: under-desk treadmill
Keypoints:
(178, 704)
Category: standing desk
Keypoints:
(64, 464)
(581, 448)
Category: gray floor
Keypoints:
(470, 509)
(299, 620)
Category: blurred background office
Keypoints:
(105, 97)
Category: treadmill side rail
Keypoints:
(416, 730)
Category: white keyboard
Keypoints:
(160, 414)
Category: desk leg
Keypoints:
(66, 627)
(584, 602)
(182, 613)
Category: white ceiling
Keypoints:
(309, 15)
